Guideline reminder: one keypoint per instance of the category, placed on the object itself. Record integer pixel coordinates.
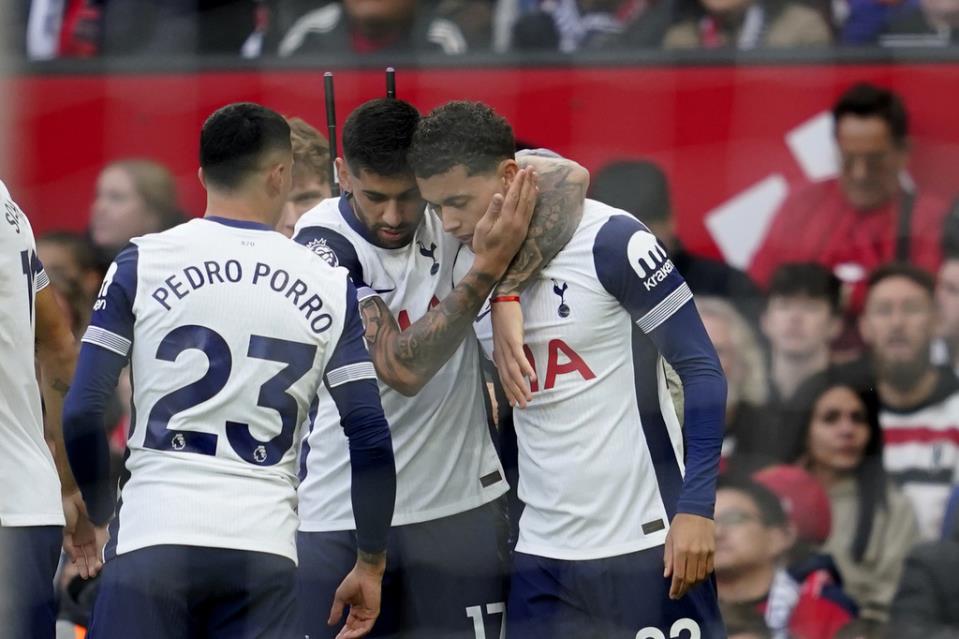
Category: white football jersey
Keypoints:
(445, 459)
(31, 488)
(230, 330)
(600, 446)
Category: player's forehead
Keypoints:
(456, 183)
(389, 185)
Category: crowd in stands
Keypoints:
(837, 514)
(287, 28)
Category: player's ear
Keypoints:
(508, 170)
(201, 177)
(346, 178)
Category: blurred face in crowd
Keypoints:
(743, 542)
(799, 326)
(460, 200)
(898, 324)
(726, 7)
(944, 11)
(307, 191)
(390, 207)
(869, 161)
(119, 212)
(839, 431)
(377, 15)
(947, 300)
(721, 335)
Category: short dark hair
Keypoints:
(808, 279)
(770, 509)
(234, 140)
(868, 100)
(638, 187)
(905, 270)
(377, 136)
(461, 133)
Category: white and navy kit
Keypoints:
(921, 452)
(603, 463)
(30, 510)
(231, 333)
(446, 462)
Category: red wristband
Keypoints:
(505, 298)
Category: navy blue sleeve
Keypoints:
(335, 250)
(635, 269)
(104, 352)
(85, 436)
(351, 380)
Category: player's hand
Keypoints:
(80, 539)
(690, 546)
(502, 229)
(361, 591)
(515, 371)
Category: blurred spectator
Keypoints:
(862, 21)
(641, 189)
(754, 539)
(946, 346)
(871, 213)
(573, 25)
(920, 401)
(801, 320)
(747, 24)
(71, 263)
(179, 27)
(371, 26)
(311, 173)
(839, 441)
(750, 439)
(133, 197)
(933, 23)
(925, 604)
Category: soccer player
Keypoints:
(232, 333)
(445, 575)
(311, 176)
(616, 539)
(40, 505)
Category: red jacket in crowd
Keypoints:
(817, 224)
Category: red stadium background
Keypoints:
(716, 130)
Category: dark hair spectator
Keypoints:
(920, 401)
(801, 319)
(747, 24)
(839, 440)
(871, 214)
(641, 188)
(946, 346)
(754, 540)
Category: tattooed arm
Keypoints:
(406, 360)
(559, 209)
(57, 356)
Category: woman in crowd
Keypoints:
(838, 439)
(133, 197)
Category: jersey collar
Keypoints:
(239, 224)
